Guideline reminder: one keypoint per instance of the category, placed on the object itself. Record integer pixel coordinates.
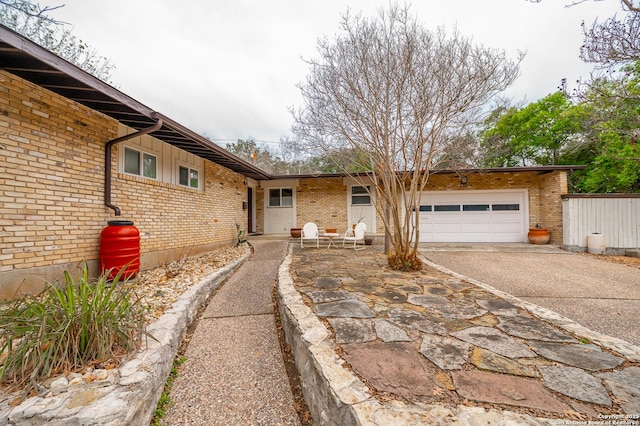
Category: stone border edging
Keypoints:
(134, 398)
(336, 396)
(622, 347)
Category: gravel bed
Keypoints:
(159, 287)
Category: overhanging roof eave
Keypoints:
(26, 59)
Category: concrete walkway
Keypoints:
(234, 373)
(429, 347)
(600, 295)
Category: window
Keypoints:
(447, 208)
(475, 208)
(280, 197)
(360, 196)
(140, 163)
(425, 208)
(188, 177)
(505, 207)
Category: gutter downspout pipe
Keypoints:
(107, 160)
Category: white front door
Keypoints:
(279, 216)
(473, 216)
(361, 207)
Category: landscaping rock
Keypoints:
(487, 360)
(494, 341)
(329, 296)
(589, 357)
(393, 367)
(412, 319)
(532, 328)
(625, 386)
(327, 282)
(445, 352)
(575, 383)
(351, 308)
(388, 332)
(500, 389)
(349, 330)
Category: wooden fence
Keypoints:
(616, 216)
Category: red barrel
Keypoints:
(120, 249)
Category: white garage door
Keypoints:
(473, 216)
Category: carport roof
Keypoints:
(24, 58)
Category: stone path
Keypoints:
(598, 294)
(427, 337)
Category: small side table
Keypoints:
(331, 236)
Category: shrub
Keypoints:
(65, 328)
(404, 263)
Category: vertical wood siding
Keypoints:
(618, 219)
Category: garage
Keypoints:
(473, 216)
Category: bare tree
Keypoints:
(613, 41)
(34, 22)
(31, 9)
(396, 95)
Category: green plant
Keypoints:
(241, 240)
(165, 400)
(65, 328)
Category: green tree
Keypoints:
(610, 111)
(536, 134)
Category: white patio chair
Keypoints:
(310, 232)
(355, 235)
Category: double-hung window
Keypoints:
(188, 177)
(280, 197)
(360, 196)
(140, 163)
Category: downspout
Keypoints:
(107, 160)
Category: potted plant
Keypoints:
(538, 235)
(296, 232)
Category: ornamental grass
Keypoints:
(67, 327)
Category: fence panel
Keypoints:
(616, 216)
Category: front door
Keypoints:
(279, 214)
(250, 210)
(361, 207)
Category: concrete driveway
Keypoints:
(597, 294)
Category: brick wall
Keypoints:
(51, 193)
(324, 200)
(552, 187)
(545, 190)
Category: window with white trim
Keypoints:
(140, 163)
(188, 176)
(360, 196)
(280, 197)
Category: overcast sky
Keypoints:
(229, 68)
